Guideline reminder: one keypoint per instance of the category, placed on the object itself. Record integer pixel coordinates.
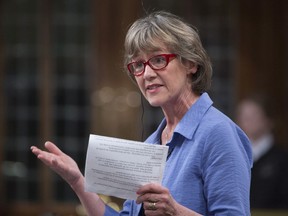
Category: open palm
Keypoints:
(58, 161)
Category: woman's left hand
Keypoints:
(156, 200)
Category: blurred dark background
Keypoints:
(62, 78)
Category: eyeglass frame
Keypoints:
(167, 58)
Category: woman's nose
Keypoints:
(149, 72)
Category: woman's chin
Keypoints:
(154, 103)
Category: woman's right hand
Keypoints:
(59, 162)
(67, 168)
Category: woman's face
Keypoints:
(253, 120)
(166, 87)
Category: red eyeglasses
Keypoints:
(157, 62)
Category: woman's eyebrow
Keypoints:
(150, 53)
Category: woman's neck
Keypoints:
(174, 114)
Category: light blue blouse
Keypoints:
(209, 167)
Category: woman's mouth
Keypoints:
(153, 88)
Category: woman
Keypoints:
(208, 168)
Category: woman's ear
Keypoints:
(191, 67)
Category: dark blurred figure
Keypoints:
(269, 184)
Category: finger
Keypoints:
(151, 208)
(46, 157)
(140, 199)
(35, 150)
(38, 152)
(148, 197)
(150, 188)
(51, 147)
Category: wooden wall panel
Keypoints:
(111, 21)
(2, 114)
(45, 96)
(262, 55)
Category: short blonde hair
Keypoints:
(163, 28)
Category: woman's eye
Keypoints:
(138, 65)
(158, 60)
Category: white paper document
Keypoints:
(118, 167)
